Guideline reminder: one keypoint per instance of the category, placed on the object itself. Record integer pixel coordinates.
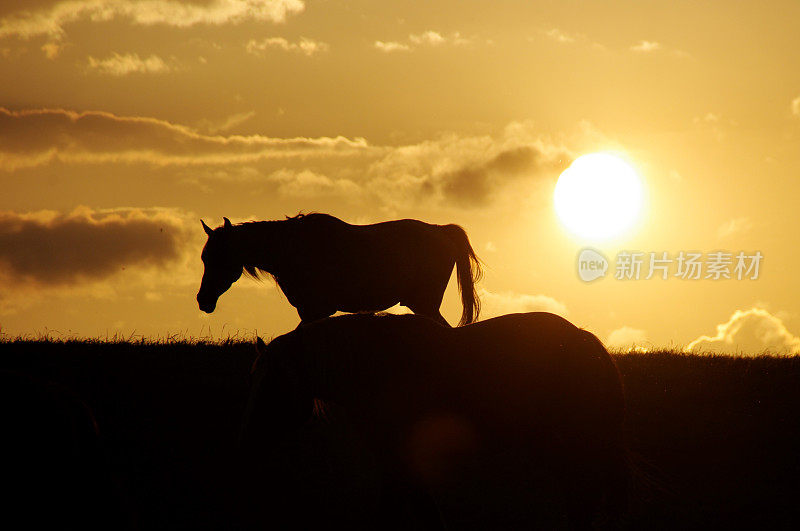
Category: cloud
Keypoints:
(307, 183)
(455, 170)
(129, 63)
(391, 46)
(711, 118)
(305, 46)
(716, 124)
(55, 249)
(646, 46)
(796, 106)
(579, 39)
(473, 184)
(749, 332)
(494, 304)
(466, 171)
(734, 226)
(560, 36)
(425, 39)
(564, 37)
(215, 127)
(37, 137)
(51, 20)
(626, 337)
(52, 49)
(432, 38)
(452, 171)
(651, 47)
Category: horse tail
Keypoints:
(469, 272)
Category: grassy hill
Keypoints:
(715, 440)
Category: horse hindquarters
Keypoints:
(578, 408)
(596, 482)
(601, 469)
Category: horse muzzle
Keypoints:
(206, 305)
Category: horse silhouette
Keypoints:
(424, 397)
(324, 265)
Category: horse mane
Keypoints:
(259, 274)
(297, 217)
(300, 215)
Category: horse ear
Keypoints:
(206, 228)
(227, 223)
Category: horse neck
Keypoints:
(256, 242)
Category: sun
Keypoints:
(599, 196)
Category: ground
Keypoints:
(713, 440)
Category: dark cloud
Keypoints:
(57, 249)
(460, 171)
(466, 171)
(7, 8)
(34, 137)
(473, 185)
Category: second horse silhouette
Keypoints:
(324, 265)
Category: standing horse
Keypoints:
(421, 395)
(323, 264)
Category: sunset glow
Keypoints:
(539, 127)
(295, 264)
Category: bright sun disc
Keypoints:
(599, 196)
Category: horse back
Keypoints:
(516, 372)
(539, 365)
(361, 267)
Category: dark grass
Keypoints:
(720, 435)
(715, 440)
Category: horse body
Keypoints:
(422, 395)
(324, 265)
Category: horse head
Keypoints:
(222, 265)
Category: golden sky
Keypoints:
(122, 123)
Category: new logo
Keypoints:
(591, 265)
